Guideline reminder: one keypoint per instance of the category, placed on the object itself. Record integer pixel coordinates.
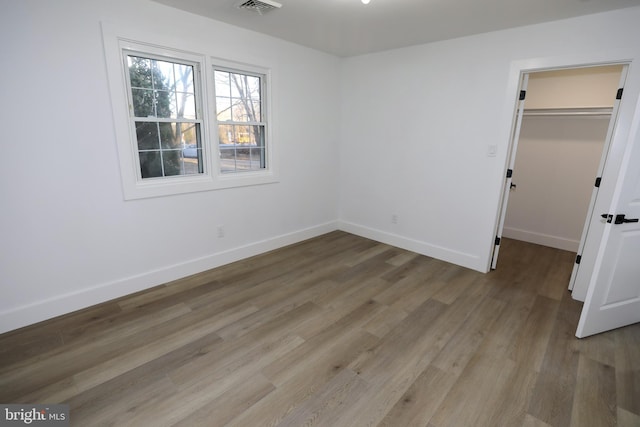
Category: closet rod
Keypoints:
(599, 111)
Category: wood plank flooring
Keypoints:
(336, 331)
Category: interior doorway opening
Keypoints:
(562, 132)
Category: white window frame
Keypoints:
(120, 42)
(264, 74)
(181, 59)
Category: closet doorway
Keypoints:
(564, 124)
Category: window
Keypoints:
(241, 125)
(184, 120)
(163, 106)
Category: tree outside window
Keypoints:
(167, 128)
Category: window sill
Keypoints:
(150, 188)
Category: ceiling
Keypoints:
(349, 28)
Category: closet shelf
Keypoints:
(588, 111)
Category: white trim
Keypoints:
(541, 239)
(64, 304)
(265, 93)
(512, 149)
(471, 261)
(117, 39)
(520, 67)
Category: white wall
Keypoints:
(417, 124)
(68, 239)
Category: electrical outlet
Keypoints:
(220, 231)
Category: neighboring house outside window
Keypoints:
(241, 126)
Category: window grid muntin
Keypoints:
(172, 91)
(197, 121)
(261, 141)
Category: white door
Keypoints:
(613, 296)
(515, 136)
(593, 228)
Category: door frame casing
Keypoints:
(511, 157)
(518, 68)
(591, 237)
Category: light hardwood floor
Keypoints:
(336, 331)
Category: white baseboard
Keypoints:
(445, 254)
(67, 303)
(63, 304)
(541, 239)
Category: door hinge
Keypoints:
(578, 259)
(598, 181)
(619, 94)
(509, 173)
(497, 241)
(523, 94)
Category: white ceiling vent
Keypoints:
(259, 6)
